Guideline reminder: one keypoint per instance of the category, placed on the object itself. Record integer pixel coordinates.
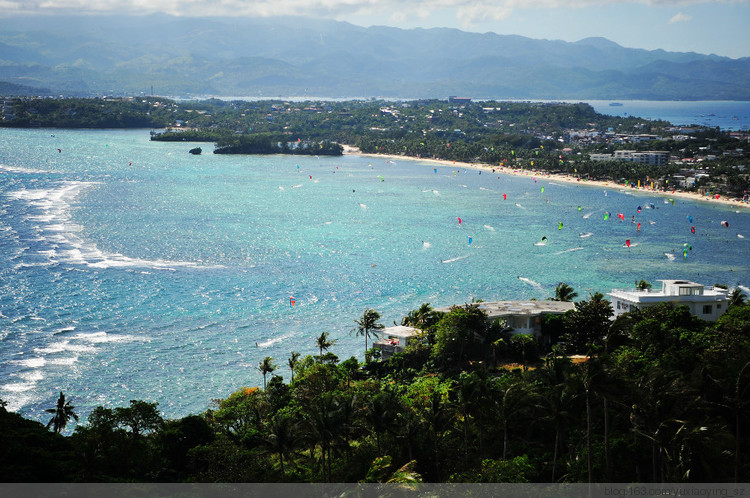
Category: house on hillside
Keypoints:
(705, 303)
(395, 339)
(524, 317)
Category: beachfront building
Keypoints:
(652, 157)
(706, 303)
(395, 339)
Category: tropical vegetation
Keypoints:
(656, 395)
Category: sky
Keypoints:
(719, 27)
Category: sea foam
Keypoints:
(52, 212)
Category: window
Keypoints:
(707, 309)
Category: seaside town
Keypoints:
(531, 137)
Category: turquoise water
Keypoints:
(133, 270)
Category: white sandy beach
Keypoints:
(677, 194)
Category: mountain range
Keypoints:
(292, 56)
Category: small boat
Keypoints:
(615, 104)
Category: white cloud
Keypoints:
(464, 11)
(680, 17)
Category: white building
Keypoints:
(395, 339)
(525, 317)
(705, 303)
(653, 157)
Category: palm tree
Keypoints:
(437, 415)
(323, 424)
(380, 412)
(266, 366)
(736, 298)
(564, 292)
(511, 400)
(420, 318)
(292, 362)
(407, 474)
(407, 426)
(643, 285)
(525, 343)
(281, 437)
(468, 396)
(368, 324)
(324, 342)
(736, 401)
(62, 414)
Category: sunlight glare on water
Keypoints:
(134, 270)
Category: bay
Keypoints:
(724, 114)
(131, 269)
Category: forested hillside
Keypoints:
(655, 396)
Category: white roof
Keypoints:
(400, 331)
(499, 309)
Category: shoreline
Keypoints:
(565, 178)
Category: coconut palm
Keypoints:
(407, 474)
(292, 362)
(63, 412)
(421, 318)
(643, 285)
(523, 343)
(324, 343)
(736, 298)
(736, 401)
(380, 412)
(281, 437)
(512, 398)
(564, 292)
(266, 366)
(368, 324)
(323, 426)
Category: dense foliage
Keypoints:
(90, 113)
(271, 143)
(655, 396)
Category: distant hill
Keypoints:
(297, 56)
(12, 89)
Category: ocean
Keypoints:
(131, 269)
(725, 114)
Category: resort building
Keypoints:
(394, 340)
(705, 303)
(524, 317)
(653, 157)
